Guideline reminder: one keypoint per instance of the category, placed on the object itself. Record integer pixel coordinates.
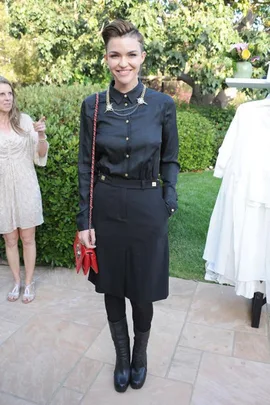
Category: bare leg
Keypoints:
(12, 252)
(29, 252)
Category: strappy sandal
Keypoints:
(15, 293)
(29, 293)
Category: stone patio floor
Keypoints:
(203, 351)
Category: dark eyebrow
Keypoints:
(135, 51)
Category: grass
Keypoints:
(188, 228)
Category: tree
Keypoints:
(185, 39)
(64, 35)
(196, 39)
(17, 57)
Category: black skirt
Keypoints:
(130, 218)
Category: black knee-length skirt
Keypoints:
(131, 223)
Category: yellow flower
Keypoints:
(245, 54)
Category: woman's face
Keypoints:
(124, 58)
(6, 98)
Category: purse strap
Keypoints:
(93, 161)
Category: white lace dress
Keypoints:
(20, 198)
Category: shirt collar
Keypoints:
(131, 95)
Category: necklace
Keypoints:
(123, 112)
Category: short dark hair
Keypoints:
(121, 28)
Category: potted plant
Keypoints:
(242, 60)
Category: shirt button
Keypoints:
(127, 121)
(125, 95)
(126, 104)
(126, 174)
(127, 156)
(127, 138)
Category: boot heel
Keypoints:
(120, 337)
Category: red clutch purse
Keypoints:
(86, 258)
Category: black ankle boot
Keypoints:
(119, 332)
(139, 359)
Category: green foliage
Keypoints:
(196, 137)
(18, 58)
(200, 34)
(220, 120)
(201, 133)
(65, 36)
(259, 46)
(58, 180)
(61, 43)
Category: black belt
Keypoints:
(128, 183)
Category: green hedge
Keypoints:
(58, 180)
(220, 119)
(196, 139)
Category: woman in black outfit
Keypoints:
(136, 171)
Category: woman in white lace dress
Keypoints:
(22, 143)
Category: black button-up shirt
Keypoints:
(140, 145)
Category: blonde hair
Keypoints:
(14, 114)
(121, 28)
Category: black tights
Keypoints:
(142, 314)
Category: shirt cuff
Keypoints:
(170, 198)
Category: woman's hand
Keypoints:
(40, 127)
(89, 241)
